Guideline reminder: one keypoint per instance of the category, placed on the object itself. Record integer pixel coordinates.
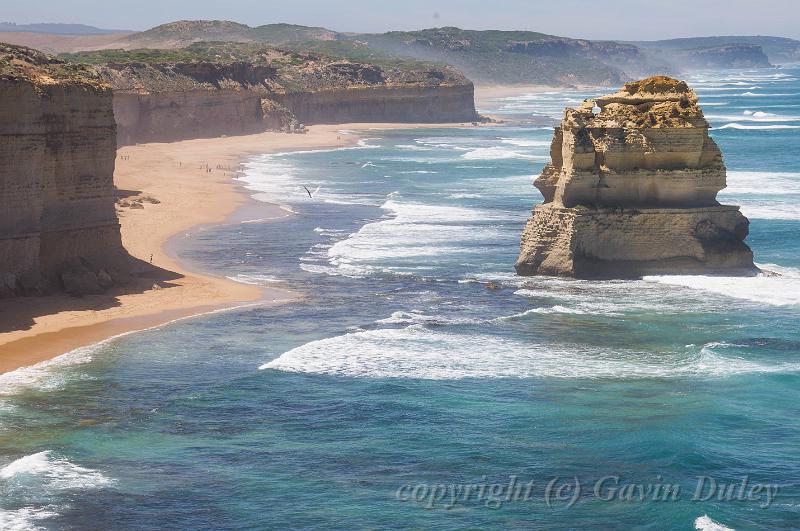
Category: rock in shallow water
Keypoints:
(631, 191)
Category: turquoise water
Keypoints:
(399, 371)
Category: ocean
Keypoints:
(418, 383)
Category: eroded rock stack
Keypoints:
(58, 226)
(631, 191)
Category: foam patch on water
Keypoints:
(47, 375)
(548, 310)
(704, 523)
(48, 472)
(756, 127)
(420, 353)
(273, 179)
(412, 235)
(754, 116)
(526, 142)
(782, 290)
(762, 183)
(464, 196)
(778, 209)
(32, 480)
(254, 280)
(499, 153)
(418, 317)
(25, 518)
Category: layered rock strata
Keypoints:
(58, 225)
(161, 101)
(169, 102)
(631, 191)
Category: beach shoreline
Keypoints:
(178, 188)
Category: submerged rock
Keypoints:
(631, 191)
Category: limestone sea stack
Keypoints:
(631, 191)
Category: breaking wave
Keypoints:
(254, 280)
(32, 480)
(49, 472)
(421, 353)
(762, 183)
(735, 125)
(413, 235)
(704, 523)
(498, 153)
(766, 288)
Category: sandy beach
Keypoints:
(177, 193)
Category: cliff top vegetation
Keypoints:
(21, 63)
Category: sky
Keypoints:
(597, 19)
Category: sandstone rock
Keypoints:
(8, 285)
(80, 282)
(160, 100)
(631, 191)
(104, 279)
(56, 171)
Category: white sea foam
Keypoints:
(704, 523)
(506, 279)
(720, 84)
(422, 353)
(549, 310)
(25, 518)
(782, 290)
(526, 142)
(762, 183)
(418, 317)
(499, 153)
(745, 127)
(774, 209)
(464, 196)
(754, 116)
(767, 94)
(46, 374)
(32, 479)
(322, 231)
(255, 280)
(735, 125)
(51, 473)
(273, 179)
(719, 87)
(411, 230)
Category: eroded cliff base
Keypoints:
(611, 243)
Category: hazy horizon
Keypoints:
(599, 19)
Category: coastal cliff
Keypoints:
(631, 191)
(215, 89)
(58, 225)
(165, 102)
(389, 103)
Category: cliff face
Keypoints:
(58, 226)
(175, 101)
(383, 104)
(178, 115)
(157, 101)
(723, 56)
(631, 190)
